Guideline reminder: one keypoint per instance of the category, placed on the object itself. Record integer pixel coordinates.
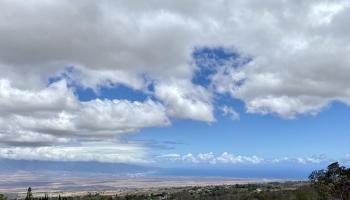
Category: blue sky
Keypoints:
(270, 136)
(267, 136)
(182, 84)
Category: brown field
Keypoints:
(16, 184)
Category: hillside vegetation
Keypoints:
(332, 183)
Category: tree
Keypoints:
(332, 183)
(2, 197)
(29, 194)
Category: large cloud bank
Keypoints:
(298, 64)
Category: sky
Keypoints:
(176, 84)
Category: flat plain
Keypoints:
(67, 184)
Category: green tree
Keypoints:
(332, 183)
(2, 197)
(29, 194)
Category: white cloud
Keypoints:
(229, 111)
(299, 65)
(94, 78)
(227, 158)
(171, 157)
(346, 159)
(231, 158)
(189, 158)
(323, 12)
(313, 159)
(207, 158)
(184, 100)
(56, 97)
(101, 152)
(298, 49)
(53, 117)
(211, 158)
(280, 160)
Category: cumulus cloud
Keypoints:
(314, 159)
(54, 116)
(184, 100)
(298, 49)
(56, 97)
(211, 158)
(298, 62)
(231, 158)
(227, 158)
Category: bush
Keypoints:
(2, 197)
